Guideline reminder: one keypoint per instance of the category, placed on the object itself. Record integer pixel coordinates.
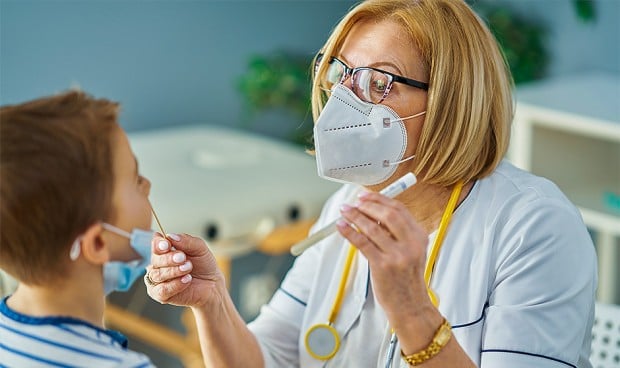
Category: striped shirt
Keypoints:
(31, 342)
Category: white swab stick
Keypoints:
(390, 191)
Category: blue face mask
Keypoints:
(117, 275)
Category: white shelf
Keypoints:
(586, 97)
(568, 130)
(608, 224)
(584, 167)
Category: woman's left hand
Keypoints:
(395, 246)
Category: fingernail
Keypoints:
(345, 208)
(178, 257)
(342, 224)
(163, 245)
(187, 278)
(363, 195)
(174, 237)
(186, 266)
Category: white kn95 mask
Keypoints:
(358, 142)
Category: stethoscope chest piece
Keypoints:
(322, 341)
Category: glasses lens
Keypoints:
(335, 71)
(371, 85)
(318, 60)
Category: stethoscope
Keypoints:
(323, 341)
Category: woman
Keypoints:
(416, 86)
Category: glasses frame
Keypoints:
(348, 72)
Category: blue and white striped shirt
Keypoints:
(31, 342)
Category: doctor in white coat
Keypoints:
(479, 264)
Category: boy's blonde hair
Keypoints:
(470, 108)
(56, 180)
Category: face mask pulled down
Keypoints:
(117, 275)
(358, 142)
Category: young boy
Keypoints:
(72, 208)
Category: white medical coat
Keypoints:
(516, 278)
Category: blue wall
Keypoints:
(167, 62)
(574, 45)
(176, 61)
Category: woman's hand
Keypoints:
(395, 246)
(184, 272)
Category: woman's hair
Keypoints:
(56, 180)
(470, 108)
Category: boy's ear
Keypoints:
(94, 249)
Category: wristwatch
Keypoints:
(441, 338)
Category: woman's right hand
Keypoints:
(183, 272)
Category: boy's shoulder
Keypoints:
(61, 341)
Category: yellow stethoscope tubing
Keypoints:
(441, 232)
(333, 313)
(428, 271)
(343, 282)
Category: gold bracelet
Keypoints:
(441, 338)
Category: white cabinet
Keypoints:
(568, 130)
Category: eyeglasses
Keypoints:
(369, 84)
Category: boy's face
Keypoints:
(130, 198)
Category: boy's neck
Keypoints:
(74, 297)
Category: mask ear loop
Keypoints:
(387, 163)
(76, 247)
(387, 123)
(116, 230)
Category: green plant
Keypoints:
(585, 10)
(521, 40)
(278, 81)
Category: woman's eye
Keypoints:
(379, 85)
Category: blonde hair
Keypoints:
(470, 108)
